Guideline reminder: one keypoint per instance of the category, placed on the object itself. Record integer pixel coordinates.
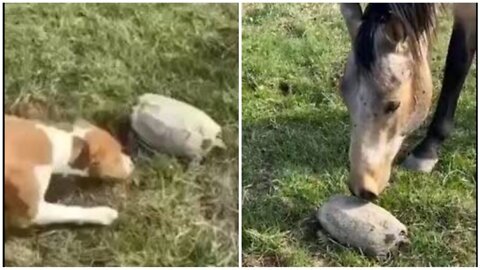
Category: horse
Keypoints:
(387, 86)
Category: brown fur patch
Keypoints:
(26, 146)
(21, 193)
(13, 200)
(80, 154)
(105, 155)
(24, 141)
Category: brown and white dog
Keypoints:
(34, 151)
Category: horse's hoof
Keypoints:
(419, 164)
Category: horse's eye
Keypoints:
(391, 106)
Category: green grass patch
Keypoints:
(93, 60)
(295, 148)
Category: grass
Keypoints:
(93, 60)
(295, 133)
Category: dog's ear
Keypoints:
(80, 158)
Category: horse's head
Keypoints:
(386, 88)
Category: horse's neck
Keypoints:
(422, 89)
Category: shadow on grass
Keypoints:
(313, 143)
(304, 141)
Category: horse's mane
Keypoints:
(417, 20)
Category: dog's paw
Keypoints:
(105, 215)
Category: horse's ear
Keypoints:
(352, 14)
(395, 31)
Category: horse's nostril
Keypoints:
(367, 195)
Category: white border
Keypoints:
(240, 3)
(124, 1)
(219, 1)
(477, 128)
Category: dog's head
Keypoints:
(97, 152)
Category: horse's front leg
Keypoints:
(459, 59)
